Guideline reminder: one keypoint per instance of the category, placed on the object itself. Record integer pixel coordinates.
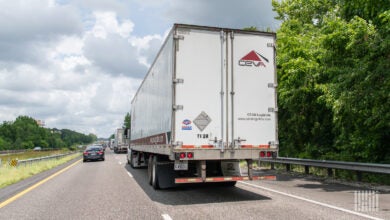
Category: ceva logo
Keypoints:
(253, 59)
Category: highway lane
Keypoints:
(92, 190)
(113, 190)
(248, 202)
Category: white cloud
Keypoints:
(231, 14)
(69, 45)
(76, 64)
(107, 23)
(27, 27)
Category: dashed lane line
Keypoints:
(166, 217)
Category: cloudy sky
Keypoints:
(76, 64)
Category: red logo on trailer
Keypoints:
(253, 59)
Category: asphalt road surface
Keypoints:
(110, 189)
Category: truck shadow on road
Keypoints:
(329, 184)
(189, 194)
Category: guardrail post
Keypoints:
(359, 176)
(272, 166)
(288, 167)
(306, 169)
(330, 172)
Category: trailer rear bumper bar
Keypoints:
(221, 179)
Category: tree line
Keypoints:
(333, 63)
(25, 133)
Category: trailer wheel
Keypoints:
(155, 183)
(150, 167)
(131, 159)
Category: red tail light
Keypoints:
(190, 155)
(85, 153)
(182, 155)
(269, 154)
(100, 152)
(262, 154)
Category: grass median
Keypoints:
(10, 175)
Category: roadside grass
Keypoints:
(10, 175)
(31, 154)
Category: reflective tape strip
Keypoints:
(263, 146)
(196, 146)
(188, 180)
(246, 146)
(187, 146)
(222, 179)
(207, 146)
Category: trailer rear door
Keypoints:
(224, 93)
(253, 90)
(198, 67)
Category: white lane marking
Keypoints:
(131, 176)
(312, 201)
(166, 217)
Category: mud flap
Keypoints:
(231, 168)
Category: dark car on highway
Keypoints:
(93, 152)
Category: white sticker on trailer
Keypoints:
(202, 121)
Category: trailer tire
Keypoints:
(150, 169)
(155, 183)
(131, 159)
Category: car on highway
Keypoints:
(37, 149)
(93, 152)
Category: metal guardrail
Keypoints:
(12, 151)
(330, 165)
(34, 160)
(24, 150)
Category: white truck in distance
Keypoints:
(207, 102)
(121, 143)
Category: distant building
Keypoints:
(41, 123)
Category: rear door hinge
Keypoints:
(178, 37)
(272, 85)
(272, 109)
(270, 45)
(177, 107)
(176, 81)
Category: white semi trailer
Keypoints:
(121, 142)
(207, 102)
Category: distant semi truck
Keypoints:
(207, 103)
(111, 143)
(121, 142)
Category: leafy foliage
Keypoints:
(333, 70)
(24, 133)
(127, 121)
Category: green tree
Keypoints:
(127, 121)
(333, 71)
(251, 28)
(24, 133)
